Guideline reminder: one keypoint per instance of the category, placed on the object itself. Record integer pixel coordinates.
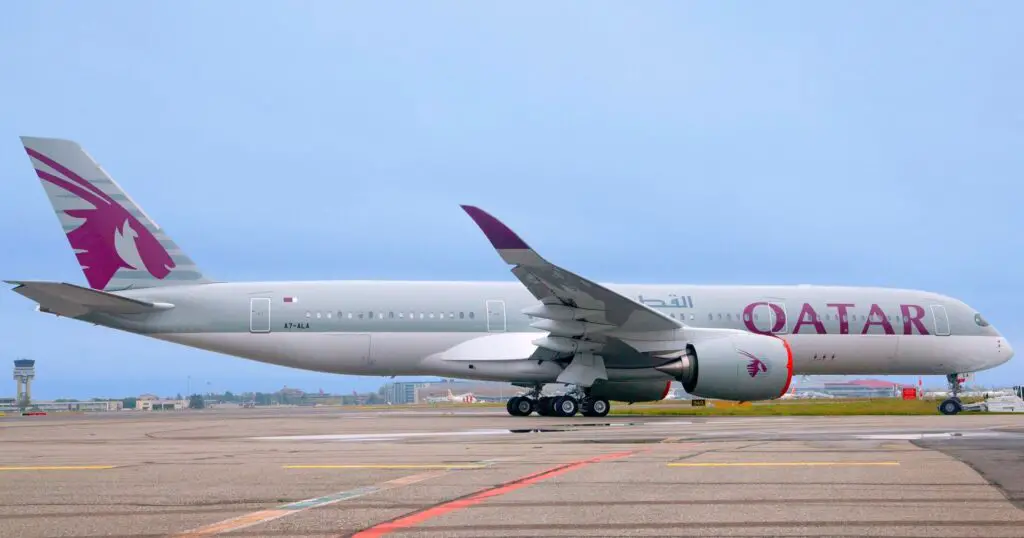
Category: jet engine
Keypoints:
(739, 366)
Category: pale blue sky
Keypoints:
(863, 143)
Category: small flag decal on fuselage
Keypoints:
(291, 299)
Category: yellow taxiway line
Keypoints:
(786, 464)
(59, 468)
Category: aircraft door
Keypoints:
(940, 319)
(495, 316)
(259, 315)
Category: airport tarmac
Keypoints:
(478, 472)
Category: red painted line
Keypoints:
(480, 496)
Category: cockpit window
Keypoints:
(980, 320)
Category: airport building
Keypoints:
(403, 392)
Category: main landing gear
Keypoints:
(952, 405)
(566, 405)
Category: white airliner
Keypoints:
(618, 342)
(454, 398)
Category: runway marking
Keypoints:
(416, 518)
(378, 436)
(786, 464)
(59, 468)
(264, 516)
(389, 466)
(912, 436)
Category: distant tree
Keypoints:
(179, 397)
(129, 403)
(228, 396)
(196, 402)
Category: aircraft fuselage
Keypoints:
(390, 328)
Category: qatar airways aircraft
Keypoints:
(616, 342)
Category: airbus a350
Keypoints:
(604, 342)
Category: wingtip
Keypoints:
(500, 236)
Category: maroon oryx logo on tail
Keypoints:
(109, 237)
(756, 365)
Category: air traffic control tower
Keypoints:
(24, 373)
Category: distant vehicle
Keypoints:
(624, 342)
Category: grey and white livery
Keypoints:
(602, 341)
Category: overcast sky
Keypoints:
(859, 143)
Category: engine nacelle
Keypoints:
(630, 391)
(740, 366)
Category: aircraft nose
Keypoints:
(1006, 349)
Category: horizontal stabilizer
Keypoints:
(70, 300)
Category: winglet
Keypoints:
(510, 246)
(500, 236)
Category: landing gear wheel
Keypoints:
(524, 407)
(950, 406)
(519, 406)
(544, 406)
(566, 406)
(595, 408)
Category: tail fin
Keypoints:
(118, 246)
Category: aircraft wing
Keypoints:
(70, 300)
(553, 285)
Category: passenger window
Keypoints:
(728, 317)
(711, 316)
(350, 315)
(755, 317)
(328, 315)
(360, 315)
(462, 315)
(719, 316)
(309, 314)
(401, 315)
(691, 316)
(371, 315)
(746, 317)
(471, 315)
(451, 315)
(318, 315)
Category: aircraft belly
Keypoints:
(342, 353)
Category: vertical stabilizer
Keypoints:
(118, 246)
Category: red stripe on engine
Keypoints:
(789, 365)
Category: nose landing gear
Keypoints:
(952, 405)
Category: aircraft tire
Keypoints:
(595, 408)
(950, 406)
(522, 406)
(566, 406)
(544, 407)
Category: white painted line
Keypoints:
(378, 436)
